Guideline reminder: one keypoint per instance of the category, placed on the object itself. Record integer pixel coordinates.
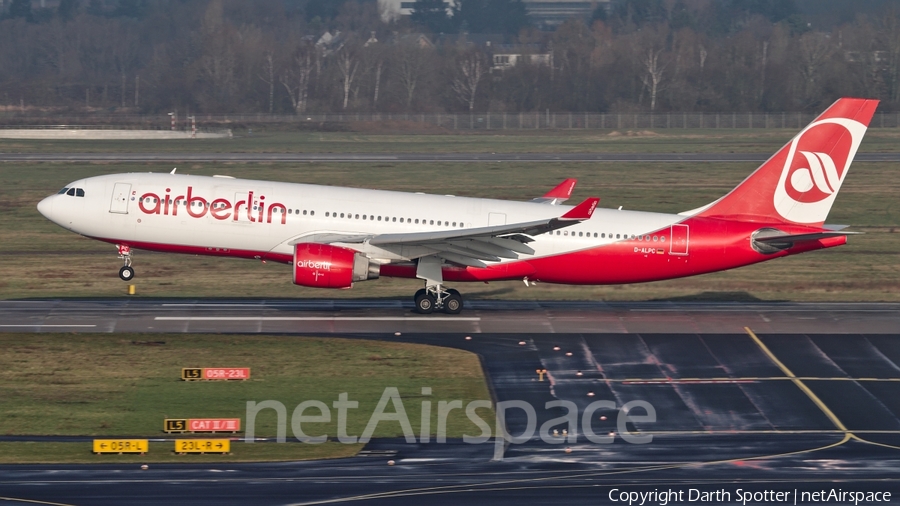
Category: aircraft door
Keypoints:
(496, 219)
(121, 193)
(679, 236)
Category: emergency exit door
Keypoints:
(679, 238)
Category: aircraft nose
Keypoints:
(45, 207)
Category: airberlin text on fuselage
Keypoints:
(220, 209)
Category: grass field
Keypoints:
(384, 140)
(126, 385)
(39, 259)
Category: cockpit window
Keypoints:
(79, 192)
(71, 192)
(64, 190)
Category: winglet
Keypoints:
(562, 191)
(559, 194)
(582, 211)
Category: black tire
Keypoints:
(419, 292)
(425, 303)
(451, 291)
(126, 273)
(453, 304)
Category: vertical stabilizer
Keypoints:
(800, 182)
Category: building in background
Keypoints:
(552, 13)
(543, 13)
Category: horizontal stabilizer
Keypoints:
(813, 236)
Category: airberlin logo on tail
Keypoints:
(817, 162)
(252, 209)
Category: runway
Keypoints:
(412, 157)
(758, 397)
(376, 316)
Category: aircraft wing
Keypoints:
(472, 246)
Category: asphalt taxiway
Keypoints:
(749, 397)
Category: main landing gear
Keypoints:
(126, 273)
(434, 296)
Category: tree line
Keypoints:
(270, 56)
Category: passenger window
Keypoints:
(357, 216)
(326, 214)
(394, 219)
(618, 236)
(379, 218)
(401, 220)
(417, 221)
(432, 222)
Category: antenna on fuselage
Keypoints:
(173, 170)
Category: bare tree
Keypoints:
(411, 67)
(469, 72)
(296, 79)
(348, 64)
(814, 49)
(650, 46)
(219, 59)
(889, 38)
(653, 76)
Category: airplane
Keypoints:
(334, 237)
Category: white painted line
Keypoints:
(213, 305)
(46, 325)
(316, 318)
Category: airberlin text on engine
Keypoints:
(195, 206)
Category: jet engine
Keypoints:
(327, 266)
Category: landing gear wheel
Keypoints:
(424, 303)
(420, 291)
(453, 304)
(126, 273)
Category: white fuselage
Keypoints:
(270, 217)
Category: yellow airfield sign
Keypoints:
(121, 446)
(202, 446)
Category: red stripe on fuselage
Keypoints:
(713, 245)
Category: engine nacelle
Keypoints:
(327, 266)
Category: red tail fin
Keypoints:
(800, 182)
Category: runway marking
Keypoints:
(521, 483)
(667, 381)
(32, 501)
(319, 318)
(46, 325)
(797, 381)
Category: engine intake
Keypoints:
(326, 266)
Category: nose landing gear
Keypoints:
(126, 273)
